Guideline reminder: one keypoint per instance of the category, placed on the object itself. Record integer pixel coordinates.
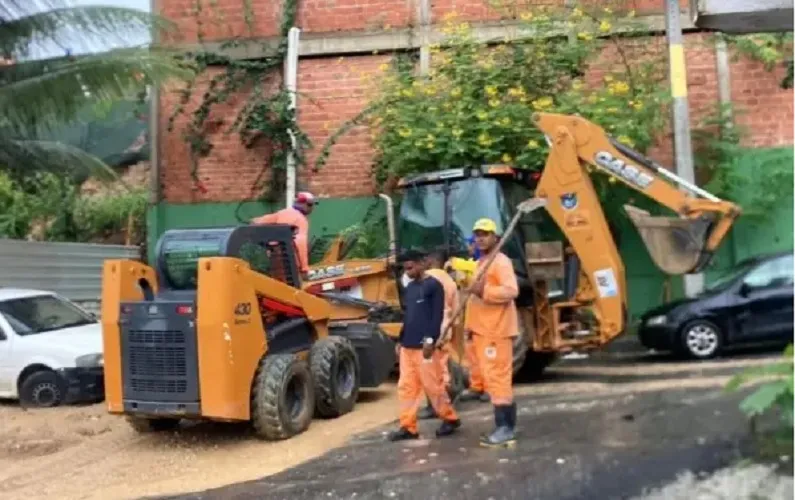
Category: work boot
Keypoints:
(503, 435)
(470, 395)
(448, 427)
(403, 434)
(427, 412)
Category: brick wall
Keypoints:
(334, 90)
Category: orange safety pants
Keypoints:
(495, 357)
(418, 376)
(476, 383)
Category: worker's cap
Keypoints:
(411, 255)
(305, 197)
(485, 225)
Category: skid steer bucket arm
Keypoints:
(677, 245)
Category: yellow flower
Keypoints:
(638, 106)
(447, 106)
(505, 121)
(612, 110)
(456, 92)
(430, 145)
(491, 90)
(542, 103)
(484, 139)
(526, 16)
(576, 85)
(506, 158)
(608, 10)
(457, 132)
(383, 67)
(608, 78)
(592, 98)
(626, 140)
(404, 132)
(430, 138)
(605, 26)
(583, 35)
(390, 111)
(611, 180)
(576, 12)
(532, 144)
(618, 88)
(494, 103)
(482, 115)
(515, 91)
(434, 48)
(407, 93)
(523, 99)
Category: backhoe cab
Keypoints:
(219, 329)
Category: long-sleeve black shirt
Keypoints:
(423, 300)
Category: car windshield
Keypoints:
(422, 215)
(43, 313)
(729, 276)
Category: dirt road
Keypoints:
(84, 453)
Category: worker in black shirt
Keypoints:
(421, 369)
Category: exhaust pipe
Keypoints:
(390, 221)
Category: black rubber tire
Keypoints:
(535, 365)
(42, 389)
(520, 350)
(271, 415)
(715, 332)
(326, 360)
(145, 425)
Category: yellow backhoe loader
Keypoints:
(573, 290)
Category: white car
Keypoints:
(50, 349)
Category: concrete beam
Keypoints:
(361, 42)
(743, 16)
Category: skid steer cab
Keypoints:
(220, 330)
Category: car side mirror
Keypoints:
(745, 289)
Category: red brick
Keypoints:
(333, 90)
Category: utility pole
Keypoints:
(683, 149)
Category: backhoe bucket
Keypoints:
(675, 244)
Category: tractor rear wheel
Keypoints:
(520, 349)
(335, 370)
(282, 397)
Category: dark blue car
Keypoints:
(750, 304)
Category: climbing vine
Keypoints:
(265, 118)
(771, 49)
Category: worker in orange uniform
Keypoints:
(434, 263)
(420, 360)
(298, 217)
(493, 320)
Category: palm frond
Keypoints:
(38, 95)
(29, 156)
(89, 26)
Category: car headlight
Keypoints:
(90, 361)
(656, 320)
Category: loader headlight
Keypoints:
(90, 361)
(657, 320)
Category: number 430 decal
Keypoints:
(243, 309)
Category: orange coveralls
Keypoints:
(450, 302)
(293, 217)
(417, 374)
(493, 321)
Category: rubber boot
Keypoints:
(427, 412)
(470, 395)
(503, 435)
(402, 434)
(448, 427)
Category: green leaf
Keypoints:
(763, 398)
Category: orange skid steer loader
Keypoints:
(220, 330)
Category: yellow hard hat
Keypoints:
(486, 225)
